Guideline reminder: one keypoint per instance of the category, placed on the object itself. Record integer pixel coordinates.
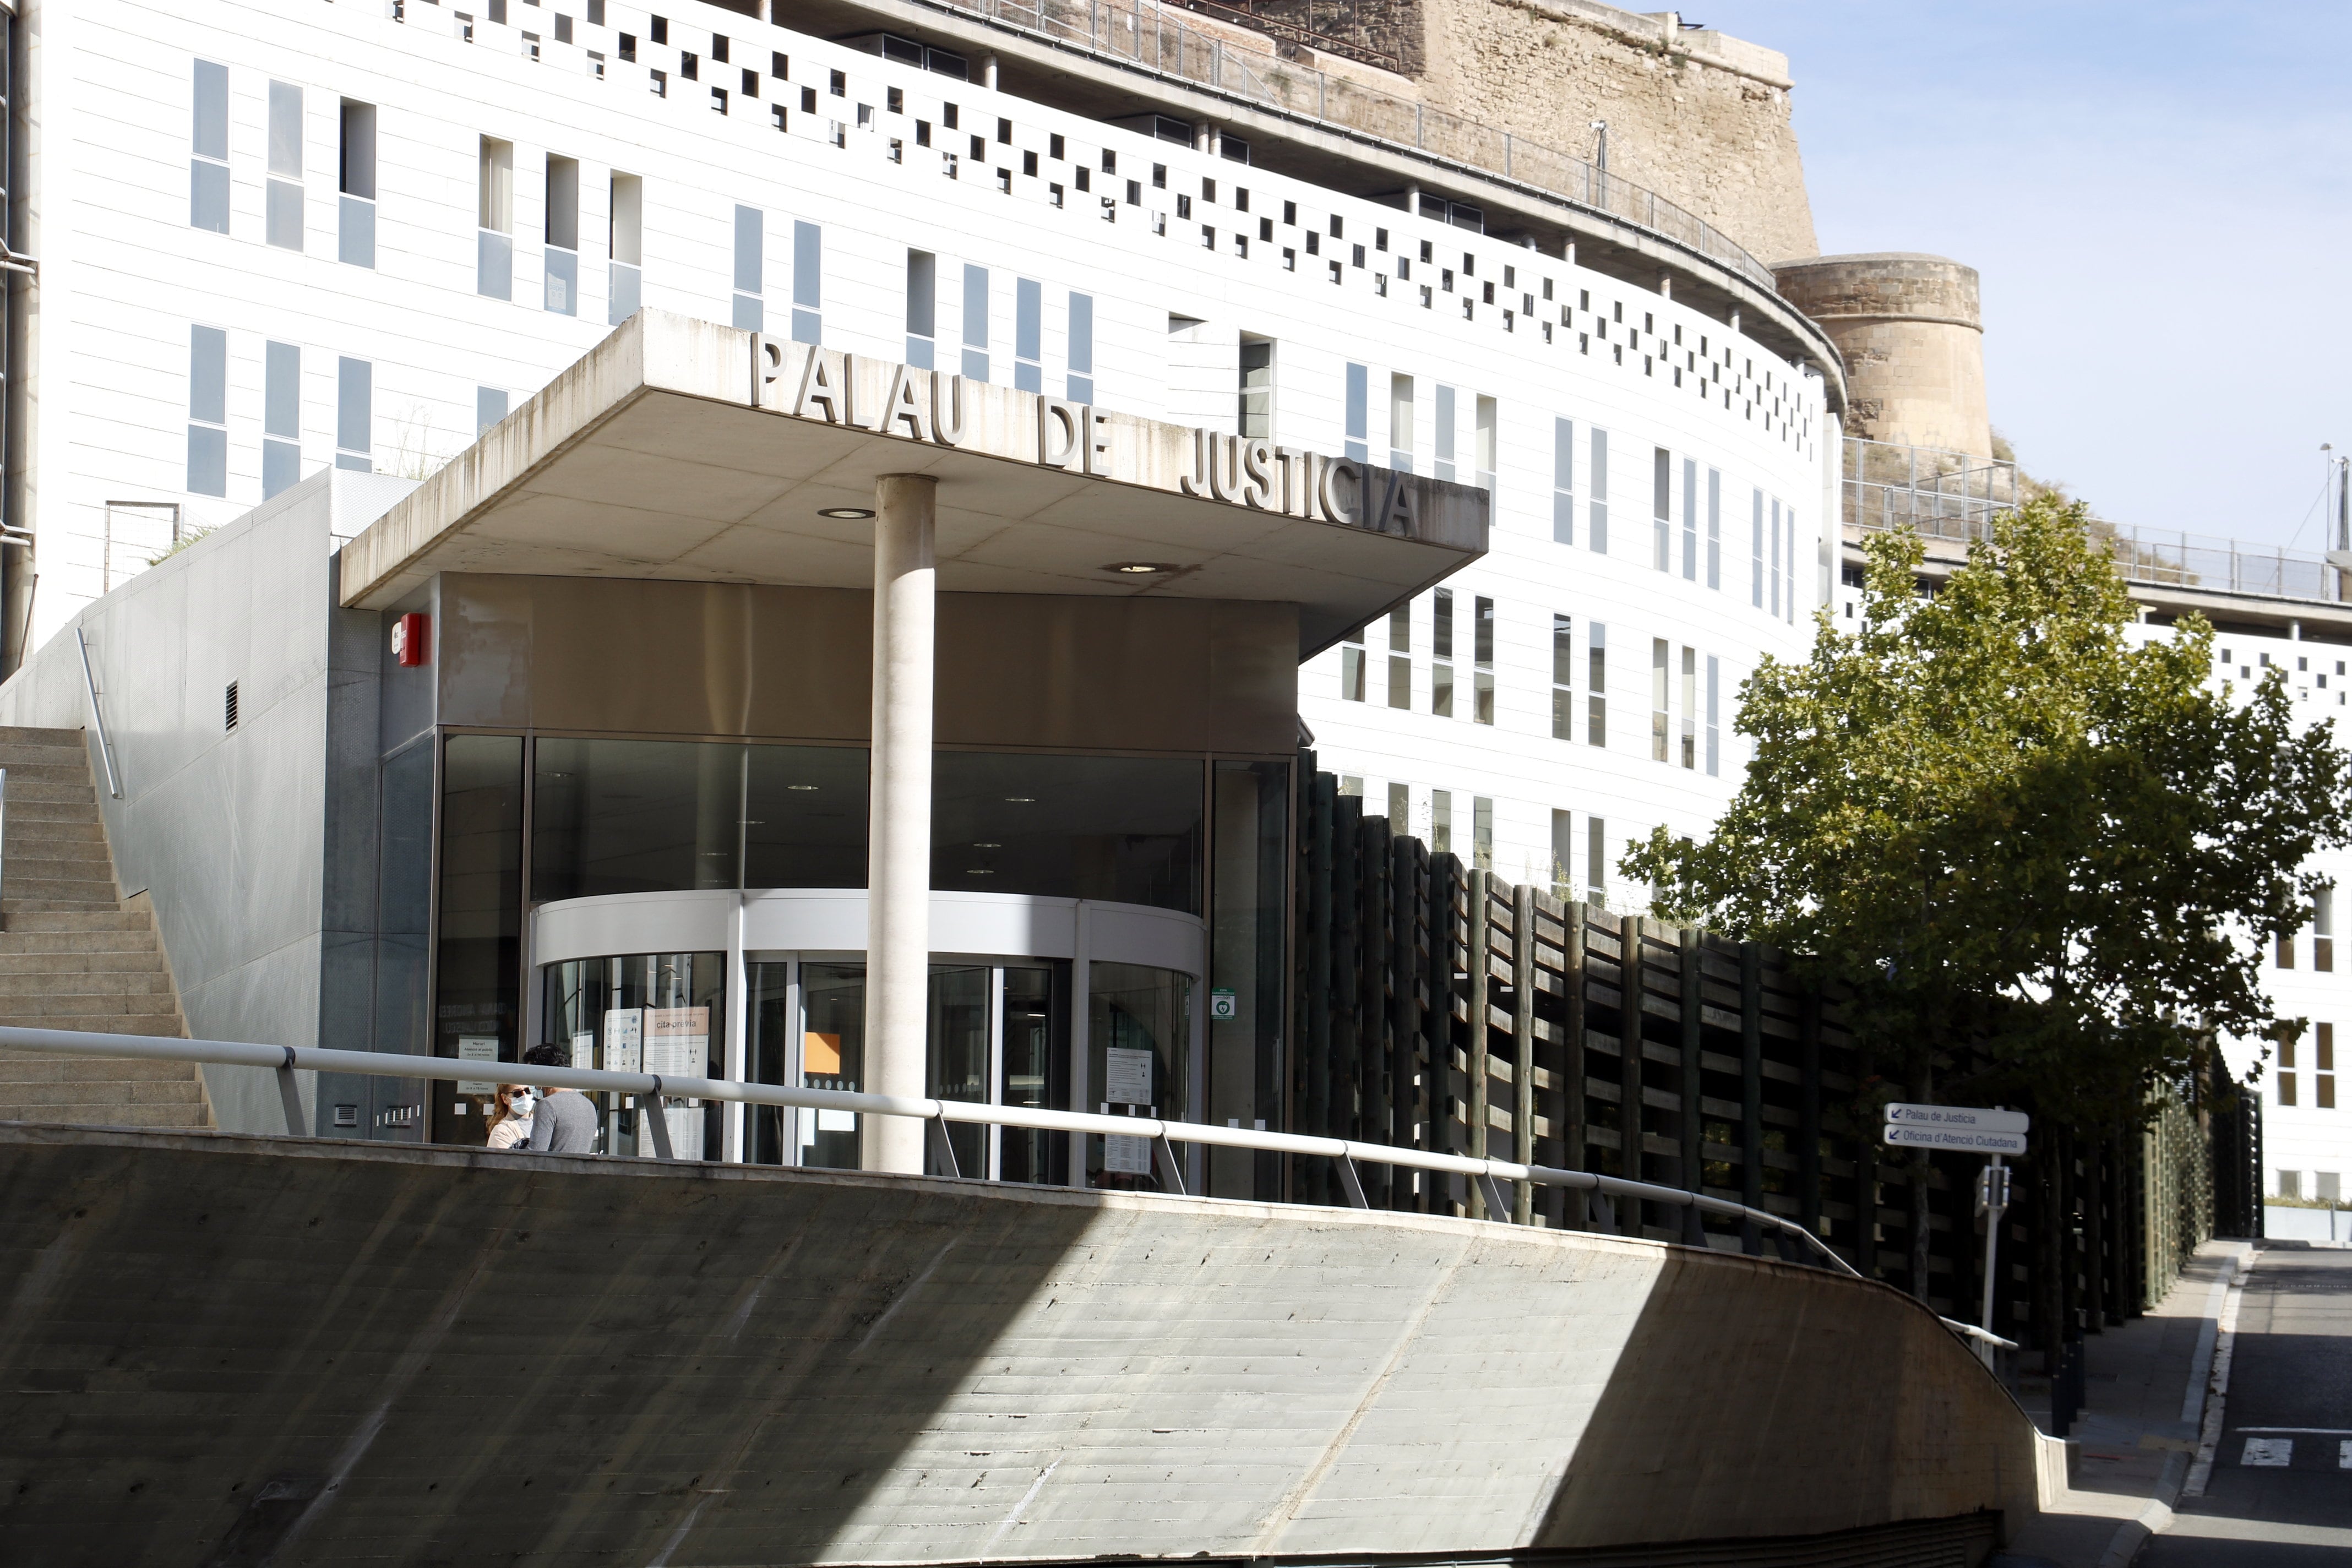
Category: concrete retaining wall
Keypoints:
(230, 1350)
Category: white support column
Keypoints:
(899, 863)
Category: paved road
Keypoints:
(2281, 1495)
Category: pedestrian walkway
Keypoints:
(2132, 1446)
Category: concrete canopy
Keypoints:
(685, 451)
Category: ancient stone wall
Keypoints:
(1913, 338)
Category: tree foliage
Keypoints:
(1992, 815)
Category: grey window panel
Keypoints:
(357, 176)
(564, 203)
(919, 353)
(976, 364)
(354, 463)
(1027, 376)
(622, 285)
(750, 313)
(751, 253)
(285, 215)
(355, 232)
(285, 130)
(1563, 518)
(490, 407)
(1563, 454)
(208, 196)
(563, 285)
(922, 294)
(808, 267)
(1082, 389)
(281, 390)
(1028, 319)
(1359, 405)
(1445, 432)
(281, 467)
(354, 405)
(210, 131)
(208, 460)
(208, 375)
(808, 327)
(494, 265)
(975, 310)
(1082, 338)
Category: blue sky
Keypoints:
(2156, 196)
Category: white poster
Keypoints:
(624, 1034)
(678, 1041)
(1126, 1076)
(583, 1051)
(1128, 1157)
(477, 1048)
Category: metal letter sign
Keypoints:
(1953, 1140)
(1959, 1117)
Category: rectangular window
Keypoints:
(208, 147)
(1444, 432)
(1401, 423)
(808, 282)
(1482, 453)
(494, 202)
(1401, 656)
(1596, 685)
(1441, 649)
(750, 268)
(2323, 931)
(1690, 708)
(1690, 520)
(1788, 517)
(354, 414)
(1775, 605)
(1596, 855)
(625, 240)
(561, 293)
(1352, 665)
(922, 306)
(355, 183)
(1563, 678)
(1358, 414)
(2322, 1072)
(283, 198)
(1659, 675)
(1661, 503)
(281, 417)
(1482, 654)
(1755, 552)
(975, 323)
(1714, 529)
(1563, 853)
(1401, 808)
(1597, 485)
(1028, 335)
(2285, 1073)
(1563, 481)
(2286, 949)
(1714, 746)
(1082, 348)
(1482, 833)
(490, 407)
(208, 411)
(1441, 821)
(1256, 409)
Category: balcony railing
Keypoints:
(1951, 495)
(1139, 34)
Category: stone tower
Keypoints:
(1913, 338)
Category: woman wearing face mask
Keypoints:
(512, 1128)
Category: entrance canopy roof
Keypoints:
(681, 450)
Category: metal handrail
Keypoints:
(97, 718)
(286, 1060)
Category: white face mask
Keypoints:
(518, 1105)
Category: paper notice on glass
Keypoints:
(624, 1039)
(685, 1132)
(477, 1048)
(678, 1040)
(1126, 1076)
(1128, 1157)
(583, 1051)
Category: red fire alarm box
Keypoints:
(412, 638)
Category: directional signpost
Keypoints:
(1968, 1129)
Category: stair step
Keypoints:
(38, 735)
(115, 959)
(105, 947)
(184, 1090)
(44, 791)
(160, 1026)
(132, 1116)
(15, 919)
(150, 982)
(48, 866)
(48, 1066)
(44, 768)
(52, 1005)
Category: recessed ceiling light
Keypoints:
(1019, 800)
(988, 847)
(800, 787)
(976, 871)
(1140, 568)
(848, 512)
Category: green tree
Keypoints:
(1989, 816)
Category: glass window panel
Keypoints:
(957, 1062)
(832, 1056)
(634, 816)
(211, 128)
(208, 196)
(1127, 829)
(285, 130)
(1034, 1074)
(805, 817)
(660, 1012)
(1247, 958)
(748, 269)
(479, 936)
(1146, 1013)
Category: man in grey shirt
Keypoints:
(565, 1122)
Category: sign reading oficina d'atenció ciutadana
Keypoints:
(1956, 1129)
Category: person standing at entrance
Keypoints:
(512, 1128)
(564, 1122)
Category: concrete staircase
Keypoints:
(74, 955)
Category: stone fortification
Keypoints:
(1912, 334)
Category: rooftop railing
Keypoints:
(1137, 34)
(1951, 495)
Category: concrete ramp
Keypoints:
(222, 1350)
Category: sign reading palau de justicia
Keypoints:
(936, 408)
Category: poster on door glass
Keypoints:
(624, 1030)
(1127, 1156)
(583, 1051)
(1126, 1076)
(477, 1048)
(676, 1040)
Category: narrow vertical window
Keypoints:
(922, 307)
(1714, 694)
(2323, 1079)
(1714, 528)
(1597, 486)
(1352, 665)
(209, 150)
(283, 198)
(2285, 1071)
(1660, 654)
(281, 417)
(808, 283)
(1690, 708)
(1482, 656)
(1082, 348)
(1755, 552)
(1401, 423)
(490, 407)
(1359, 432)
(2323, 930)
(1596, 685)
(354, 414)
(1482, 833)
(1401, 807)
(626, 243)
(1441, 653)
(1690, 520)
(1563, 853)
(1442, 411)
(1441, 821)
(975, 323)
(1483, 450)
(1662, 505)
(750, 268)
(1789, 516)
(1563, 678)
(1256, 409)
(208, 411)
(355, 186)
(493, 192)
(1401, 656)
(1028, 335)
(1563, 481)
(563, 250)
(1596, 855)
(1774, 607)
